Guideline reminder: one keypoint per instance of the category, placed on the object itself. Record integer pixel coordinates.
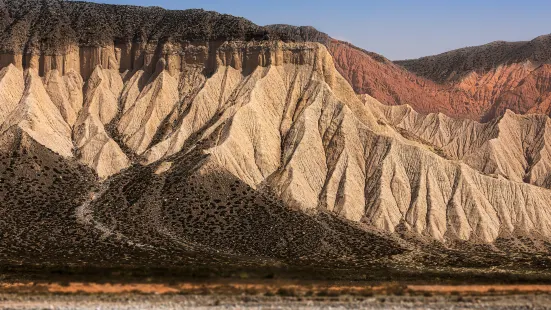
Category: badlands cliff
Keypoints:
(235, 139)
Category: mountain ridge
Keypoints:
(168, 153)
(440, 67)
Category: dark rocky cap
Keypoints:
(51, 25)
(455, 64)
(290, 33)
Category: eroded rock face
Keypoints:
(116, 116)
(276, 117)
(374, 75)
(142, 118)
(35, 114)
(513, 146)
(292, 123)
(95, 146)
(507, 154)
(79, 36)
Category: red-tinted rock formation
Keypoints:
(372, 74)
(491, 78)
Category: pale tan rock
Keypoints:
(163, 167)
(210, 101)
(284, 135)
(66, 93)
(12, 86)
(37, 116)
(131, 89)
(141, 120)
(513, 146)
(95, 147)
(102, 93)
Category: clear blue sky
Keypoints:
(397, 29)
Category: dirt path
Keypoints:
(85, 216)
(84, 212)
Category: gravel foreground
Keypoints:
(133, 301)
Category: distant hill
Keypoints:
(494, 77)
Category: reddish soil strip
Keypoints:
(91, 288)
(255, 288)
